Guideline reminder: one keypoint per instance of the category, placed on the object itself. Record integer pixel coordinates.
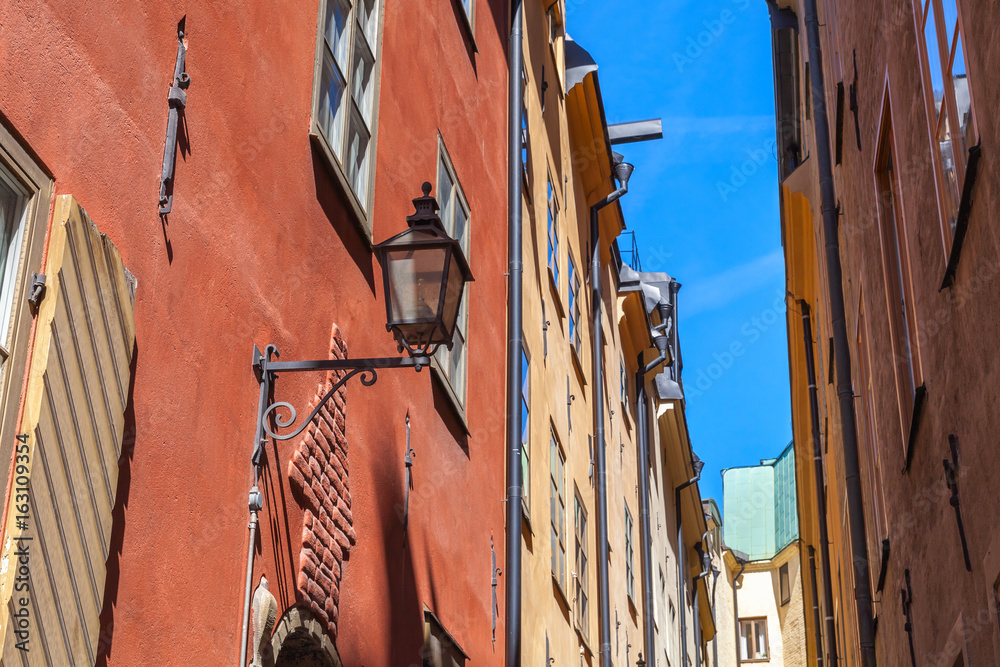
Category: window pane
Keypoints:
(357, 159)
(960, 81)
(950, 18)
(331, 110)
(934, 62)
(362, 80)
(745, 641)
(336, 37)
(12, 210)
(461, 227)
(761, 641)
(468, 7)
(368, 19)
(946, 147)
(444, 198)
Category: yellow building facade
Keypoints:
(569, 166)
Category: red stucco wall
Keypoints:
(259, 249)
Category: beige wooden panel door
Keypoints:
(58, 521)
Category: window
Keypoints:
(569, 408)
(525, 134)
(525, 431)
(629, 555)
(671, 627)
(440, 648)
(582, 572)
(575, 338)
(25, 194)
(452, 364)
(554, 14)
(557, 510)
(783, 585)
(553, 226)
(753, 639)
(787, 96)
(623, 380)
(902, 318)
(470, 10)
(868, 429)
(949, 102)
(343, 122)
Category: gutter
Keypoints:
(824, 538)
(515, 268)
(841, 348)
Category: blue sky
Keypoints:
(704, 203)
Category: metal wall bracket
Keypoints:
(36, 292)
(951, 472)
(495, 608)
(907, 595)
(266, 368)
(176, 100)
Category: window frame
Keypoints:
(557, 505)
(865, 393)
(362, 209)
(945, 45)
(581, 577)
(754, 622)
(525, 431)
(37, 185)
(552, 234)
(441, 359)
(554, 21)
(896, 272)
(445, 641)
(629, 555)
(784, 585)
(574, 310)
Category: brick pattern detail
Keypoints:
(318, 474)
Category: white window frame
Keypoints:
(557, 510)
(442, 361)
(575, 337)
(581, 563)
(526, 431)
(750, 642)
(552, 226)
(629, 555)
(336, 148)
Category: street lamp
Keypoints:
(424, 274)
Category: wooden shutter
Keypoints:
(78, 387)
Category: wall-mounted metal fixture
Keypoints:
(907, 595)
(640, 662)
(951, 471)
(36, 292)
(408, 483)
(424, 276)
(854, 101)
(495, 609)
(176, 100)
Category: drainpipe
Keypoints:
(824, 540)
(841, 349)
(642, 445)
(742, 560)
(815, 595)
(623, 171)
(697, 617)
(515, 267)
(681, 551)
(715, 640)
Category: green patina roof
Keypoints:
(760, 506)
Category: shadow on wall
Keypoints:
(107, 619)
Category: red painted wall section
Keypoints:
(259, 249)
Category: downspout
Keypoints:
(824, 539)
(623, 171)
(642, 445)
(255, 504)
(815, 596)
(715, 640)
(841, 349)
(697, 617)
(515, 267)
(681, 560)
(736, 607)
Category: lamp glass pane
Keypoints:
(414, 283)
(452, 295)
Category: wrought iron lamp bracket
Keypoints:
(267, 367)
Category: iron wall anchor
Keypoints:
(176, 100)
